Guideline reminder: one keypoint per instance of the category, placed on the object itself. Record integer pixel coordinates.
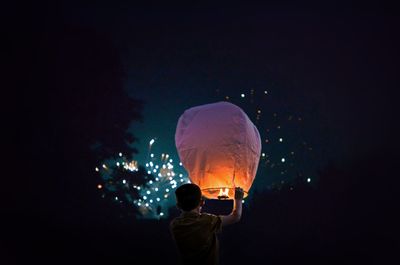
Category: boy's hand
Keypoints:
(236, 213)
(239, 194)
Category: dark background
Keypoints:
(70, 69)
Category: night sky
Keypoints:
(314, 61)
(318, 81)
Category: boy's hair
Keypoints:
(188, 196)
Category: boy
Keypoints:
(195, 232)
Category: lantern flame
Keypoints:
(223, 194)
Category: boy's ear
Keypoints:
(202, 202)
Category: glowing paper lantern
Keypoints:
(219, 147)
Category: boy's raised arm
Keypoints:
(236, 213)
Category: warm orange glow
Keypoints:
(223, 193)
(216, 171)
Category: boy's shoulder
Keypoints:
(187, 221)
(209, 215)
(186, 216)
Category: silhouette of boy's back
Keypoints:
(195, 232)
(195, 237)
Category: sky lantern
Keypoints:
(219, 147)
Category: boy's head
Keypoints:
(188, 197)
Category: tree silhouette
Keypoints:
(73, 112)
